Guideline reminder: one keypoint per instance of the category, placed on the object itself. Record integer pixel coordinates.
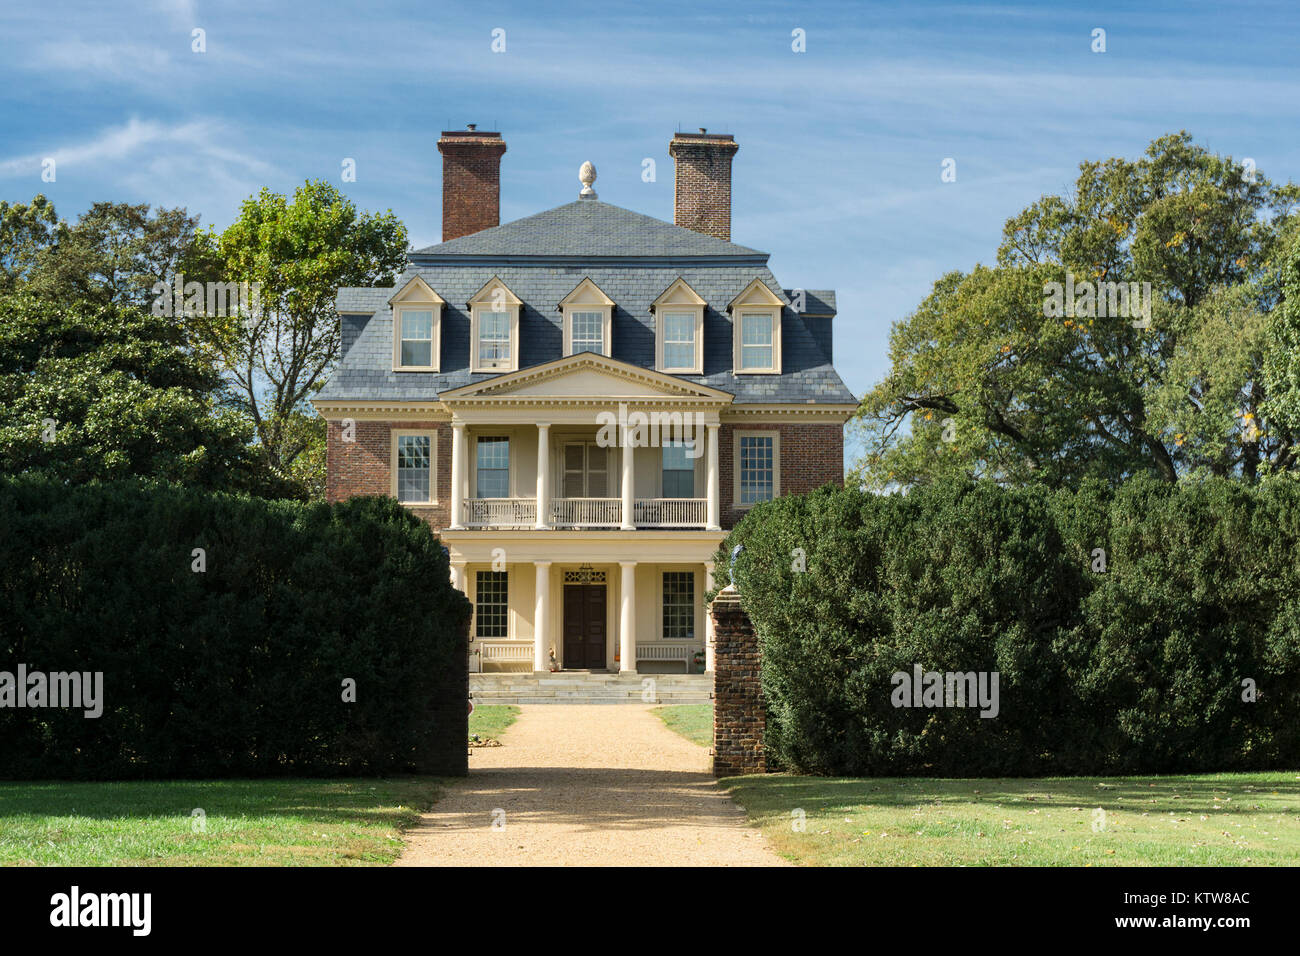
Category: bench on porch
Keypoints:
(501, 652)
(667, 652)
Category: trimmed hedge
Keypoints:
(238, 670)
(1137, 669)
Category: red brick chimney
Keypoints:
(471, 181)
(703, 198)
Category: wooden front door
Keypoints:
(584, 625)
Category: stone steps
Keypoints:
(582, 688)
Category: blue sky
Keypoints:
(838, 174)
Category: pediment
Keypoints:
(418, 291)
(756, 293)
(587, 377)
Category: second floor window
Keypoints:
(679, 340)
(494, 339)
(414, 468)
(756, 340)
(493, 469)
(678, 471)
(757, 468)
(589, 332)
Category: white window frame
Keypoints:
(417, 296)
(488, 300)
(394, 436)
(696, 620)
(771, 433)
(588, 297)
(755, 299)
(510, 470)
(679, 298)
(510, 618)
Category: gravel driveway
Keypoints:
(602, 785)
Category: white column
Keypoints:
(457, 475)
(542, 617)
(628, 454)
(458, 576)
(715, 493)
(627, 618)
(708, 619)
(543, 476)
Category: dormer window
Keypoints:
(494, 329)
(417, 327)
(679, 330)
(756, 324)
(588, 317)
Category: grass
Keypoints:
(1229, 819)
(326, 822)
(490, 721)
(692, 721)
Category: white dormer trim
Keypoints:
(755, 300)
(495, 296)
(679, 298)
(417, 296)
(588, 297)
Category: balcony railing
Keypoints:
(669, 512)
(585, 513)
(500, 512)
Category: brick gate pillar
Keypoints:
(739, 714)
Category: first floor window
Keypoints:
(588, 332)
(493, 467)
(414, 470)
(416, 337)
(755, 340)
(757, 466)
(493, 339)
(679, 605)
(492, 605)
(678, 471)
(679, 340)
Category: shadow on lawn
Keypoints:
(1150, 794)
(321, 801)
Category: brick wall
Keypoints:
(811, 455)
(471, 182)
(739, 712)
(364, 466)
(702, 200)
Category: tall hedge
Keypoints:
(238, 669)
(1137, 667)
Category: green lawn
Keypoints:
(692, 721)
(489, 721)
(1226, 819)
(246, 822)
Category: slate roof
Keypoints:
(587, 227)
(541, 259)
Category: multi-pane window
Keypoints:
(493, 471)
(492, 604)
(756, 468)
(678, 471)
(414, 470)
(679, 340)
(756, 340)
(493, 339)
(586, 470)
(416, 337)
(679, 605)
(588, 333)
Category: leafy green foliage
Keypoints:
(237, 670)
(1135, 669)
(986, 382)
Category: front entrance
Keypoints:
(584, 626)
